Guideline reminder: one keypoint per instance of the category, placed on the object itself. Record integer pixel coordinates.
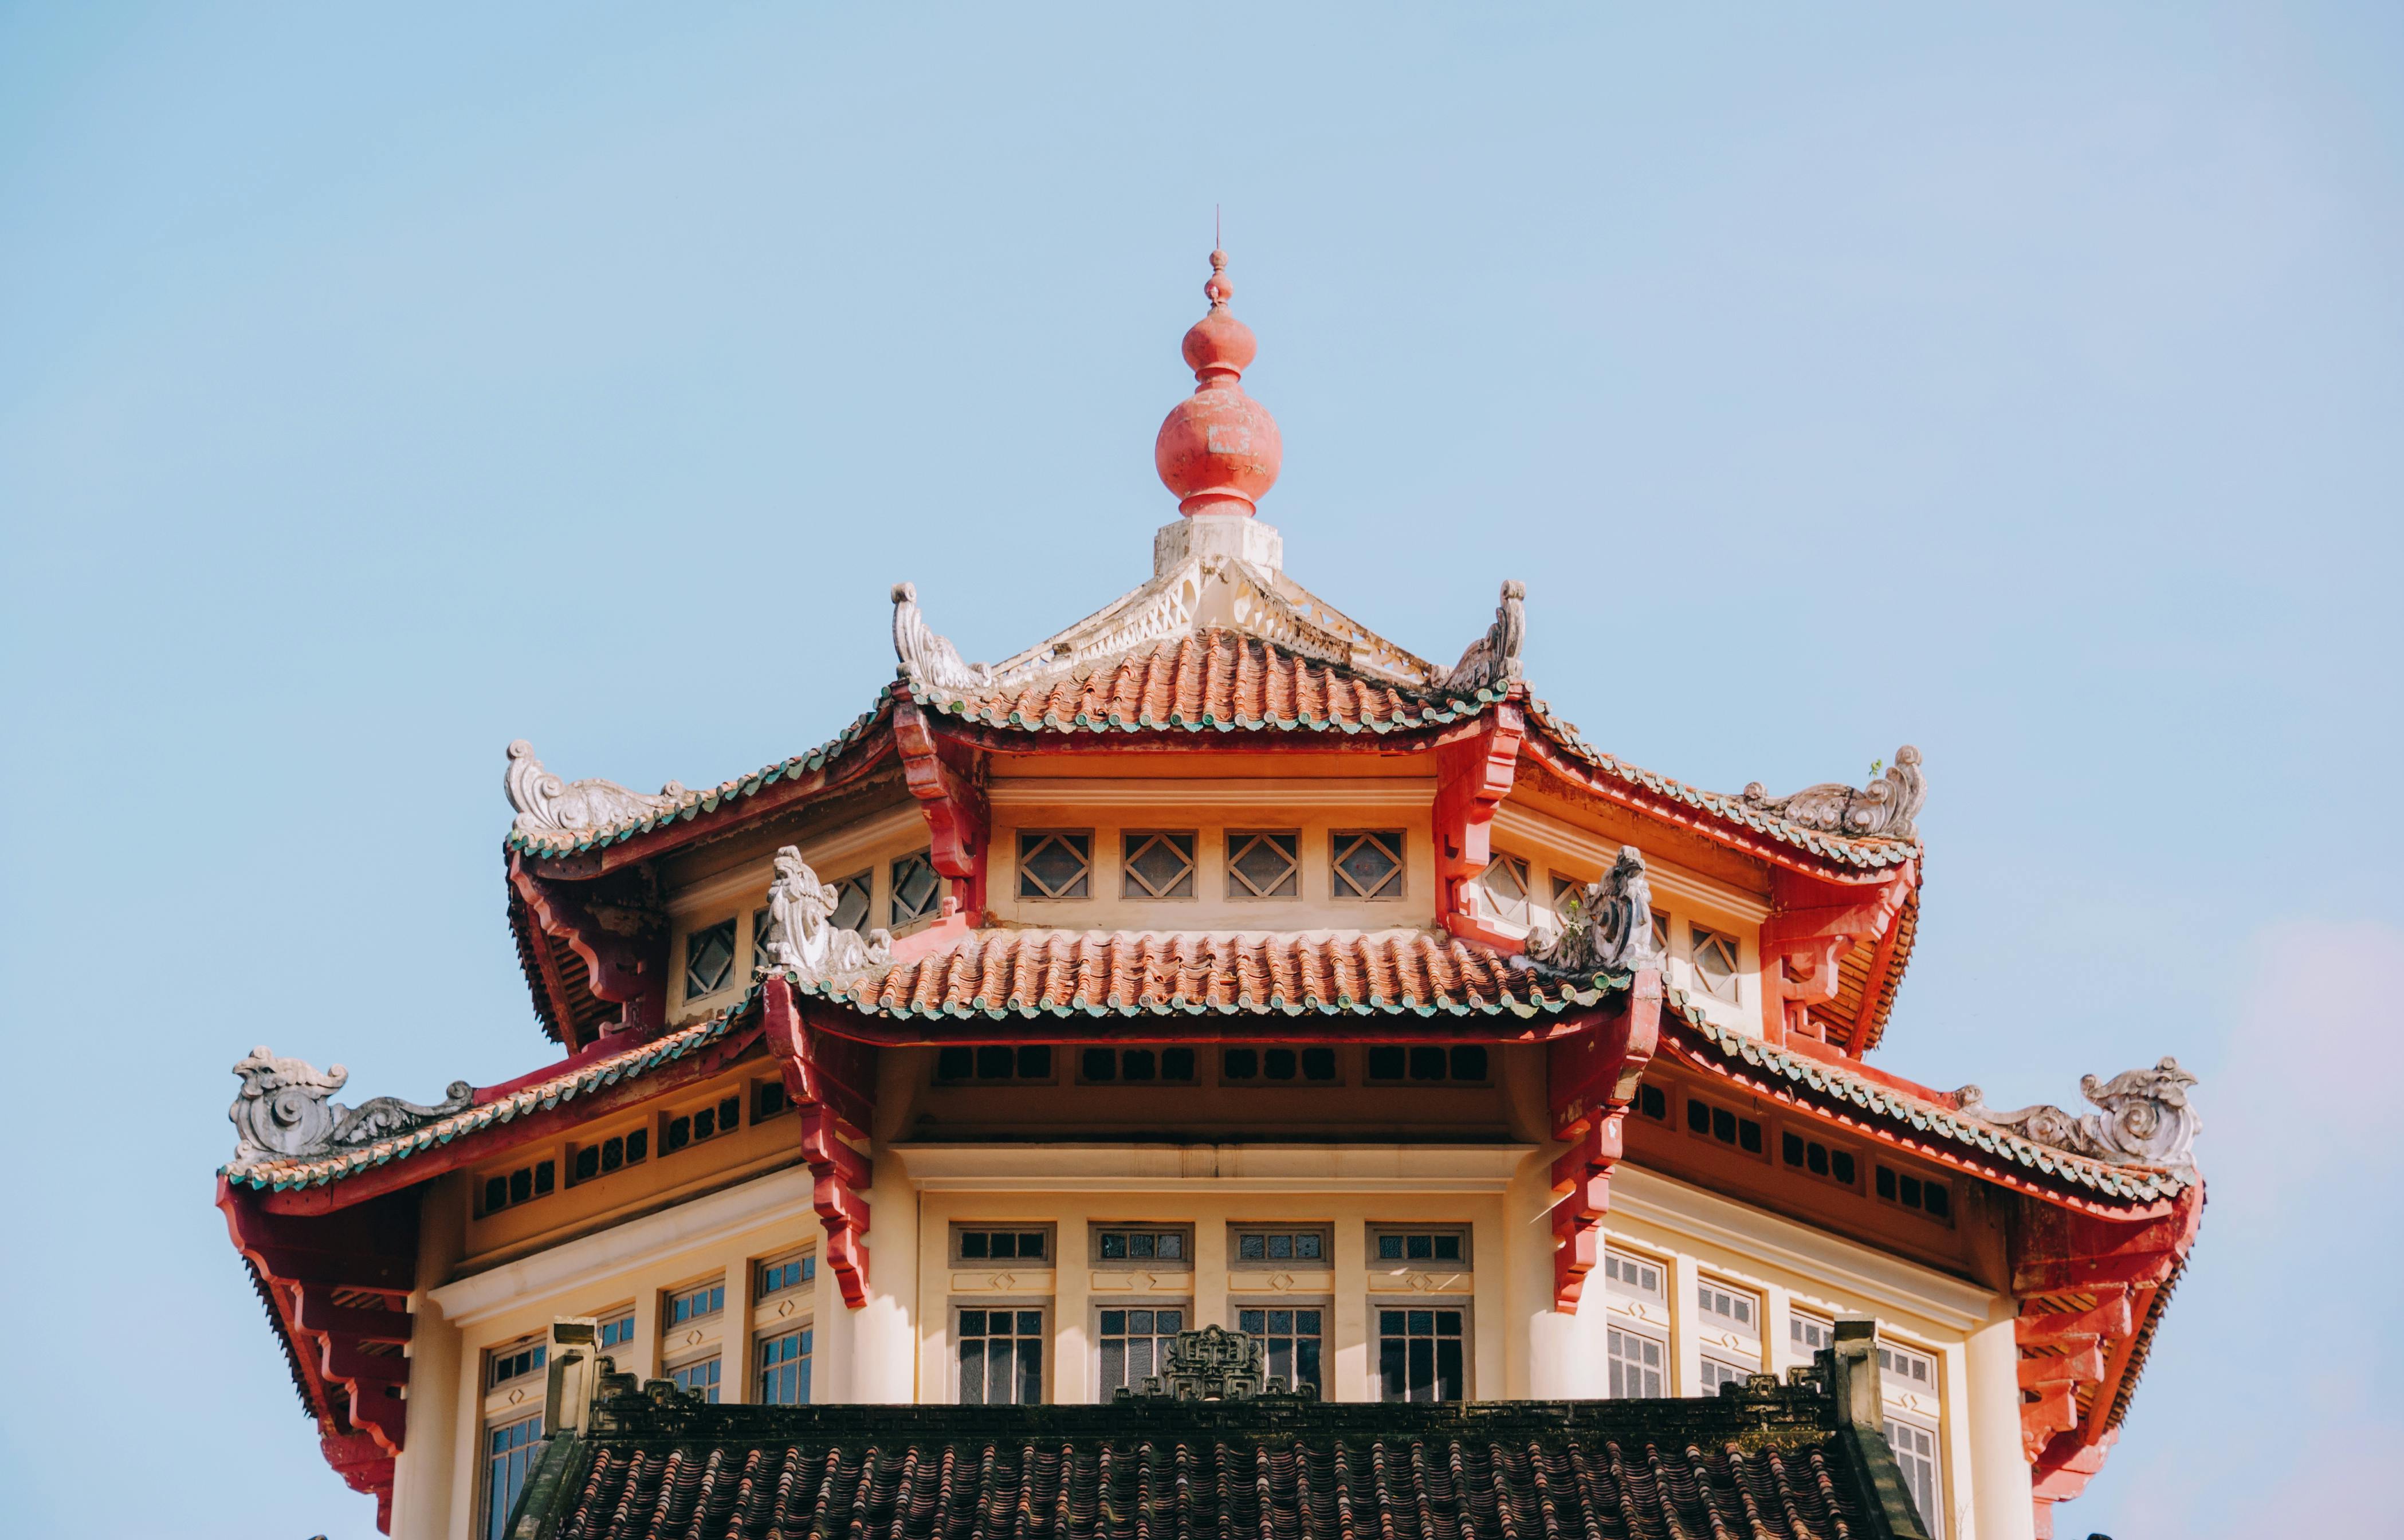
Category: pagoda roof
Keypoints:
(1762, 1461)
(1061, 985)
(1029, 973)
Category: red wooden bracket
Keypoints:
(1473, 774)
(942, 774)
(1590, 1078)
(628, 970)
(348, 1354)
(1811, 925)
(828, 1079)
(2113, 1272)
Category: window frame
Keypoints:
(1237, 1262)
(1700, 936)
(800, 1362)
(896, 922)
(1097, 1229)
(497, 1514)
(622, 1137)
(1624, 1329)
(1932, 1510)
(1118, 1076)
(1239, 1302)
(1370, 1077)
(1046, 1229)
(1137, 888)
(1031, 888)
(1239, 888)
(1897, 1199)
(1741, 1119)
(663, 1141)
(1046, 1360)
(1379, 1307)
(1804, 1139)
(1263, 1081)
(1393, 889)
(731, 924)
(936, 1077)
(1377, 1232)
(1183, 1309)
(1521, 870)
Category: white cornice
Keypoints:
(1221, 1168)
(1696, 1213)
(1152, 791)
(1590, 850)
(687, 1226)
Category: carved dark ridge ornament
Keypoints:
(803, 939)
(545, 802)
(1215, 1365)
(1609, 927)
(1492, 661)
(1884, 810)
(2146, 1119)
(285, 1111)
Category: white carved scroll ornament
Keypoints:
(545, 802)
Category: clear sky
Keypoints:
(2023, 384)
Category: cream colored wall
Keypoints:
(898, 1347)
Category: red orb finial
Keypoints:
(1219, 449)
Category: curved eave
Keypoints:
(836, 762)
(1923, 1128)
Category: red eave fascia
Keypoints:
(483, 1144)
(855, 761)
(1947, 1155)
(1705, 825)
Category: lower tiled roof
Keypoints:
(1211, 680)
(569, 1083)
(1922, 1116)
(1064, 972)
(1763, 1467)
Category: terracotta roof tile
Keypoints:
(1216, 678)
(998, 972)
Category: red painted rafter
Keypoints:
(1810, 926)
(369, 1252)
(1589, 1080)
(1475, 770)
(829, 1080)
(623, 970)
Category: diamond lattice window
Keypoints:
(1715, 964)
(1506, 885)
(1159, 866)
(709, 959)
(1369, 864)
(1264, 864)
(916, 890)
(1055, 863)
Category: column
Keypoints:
(1348, 1377)
(1999, 1474)
(1686, 1353)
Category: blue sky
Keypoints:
(2021, 383)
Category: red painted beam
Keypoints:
(942, 774)
(318, 1313)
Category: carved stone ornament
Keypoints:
(545, 802)
(925, 655)
(1609, 927)
(1214, 1364)
(286, 1111)
(1493, 659)
(2146, 1119)
(801, 936)
(1884, 809)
